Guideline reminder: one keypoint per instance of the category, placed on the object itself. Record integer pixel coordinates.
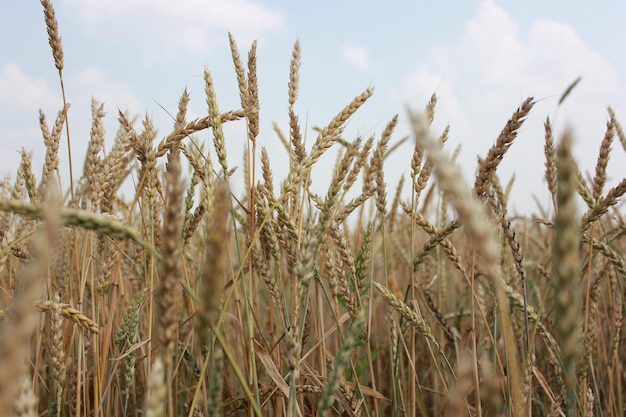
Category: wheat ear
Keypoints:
(472, 216)
(16, 331)
(54, 38)
(167, 293)
(341, 362)
(157, 390)
(488, 167)
(25, 404)
(565, 281)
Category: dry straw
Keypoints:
(487, 167)
(167, 293)
(53, 34)
(54, 39)
(193, 299)
(157, 390)
(19, 326)
(565, 282)
(341, 362)
(473, 218)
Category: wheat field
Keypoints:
(189, 299)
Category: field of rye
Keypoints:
(185, 299)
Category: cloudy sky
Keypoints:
(482, 58)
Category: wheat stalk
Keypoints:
(565, 281)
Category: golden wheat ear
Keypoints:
(54, 39)
(21, 321)
(565, 272)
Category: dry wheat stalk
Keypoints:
(25, 404)
(190, 195)
(17, 329)
(603, 159)
(268, 181)
(242, 81)
(419, 181)
(489, 165)
(155, 401)
(214, 269)
(459, 392)
(70, 313)
(565, 282)
(216, 383)
(379, 153)
(589, 403)
(115, 169)
(51, 141)
(29, 177)
(395, 204)
(216, 122)
(181, 115)
(17, 191)
(268, 237)
(342, 360)
(167, 292)
(324, 141)
(472, 216)
(194, 126)
(518, 258)
(603, 204)
(6, 240)
(416, 165)
(491, 389)
(303, 273)
(294, 73)
(268, 278)
(293, 235)
(149, 175)
(105, 224)
(590, 324)
(54, 39)
(252, 96)
(338, 274)
(408, 313)
(126, 336)
(58, 357)
(496, 196)
(437, 238)
(332, 195)
(358, 165)
(618, 319)
(550, 164)
(281, 136)
(205, 174)
(94, 166)
(53, 34)
(618, 128)
(614, 257)
(583, 190)
(426, 171)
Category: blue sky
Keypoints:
(483, 58)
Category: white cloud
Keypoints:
(20, 91)
(92, 82)
(423, 84)
(357, 56)
(493, 67)
(165, 25)
(22, 95)
(493, 37)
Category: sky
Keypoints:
(481, 58)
